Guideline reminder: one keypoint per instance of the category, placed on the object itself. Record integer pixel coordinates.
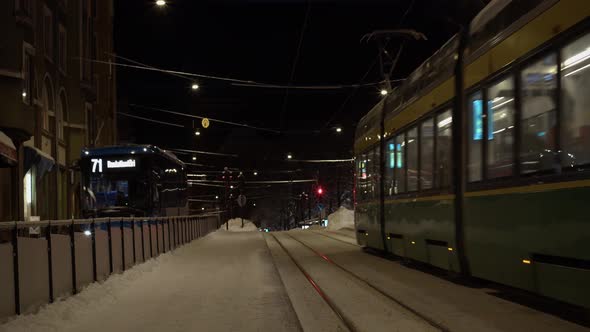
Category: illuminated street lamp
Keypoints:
(194, 157)
(255, 173)
(384, 92)
(161, 3)
(197, 133)
(195, 86)
(289, 156)
(338, 129)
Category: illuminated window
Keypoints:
(390, 166)
(475, 124)
(444, 122)
(575, 103)
(500, 158)
(538, 120)
(400, 172)
(412, 159)
(426, 153)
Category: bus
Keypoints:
(132, 181)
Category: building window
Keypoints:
(48, 32)
(426, 153)
(444, 135)
(412, 158)
(500, 158)
(24, 8)
(400, 164)
(63, 48)
(575, 103)
(538, 119)
(28, 77)
(475, 124)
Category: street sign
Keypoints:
(205, 123)
(241, 200)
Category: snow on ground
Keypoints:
(342, 218)
(235, 225)
(223, 282)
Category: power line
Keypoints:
(235, 82)
(203, 152)
(351, 95)
(321, 160)
(202, 117)
(150, 120)
(295, 61)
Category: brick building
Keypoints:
(54, 100)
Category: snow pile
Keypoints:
(342, 218)
(235, 225)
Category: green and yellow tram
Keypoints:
(478, 162)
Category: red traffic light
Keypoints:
(320, 190)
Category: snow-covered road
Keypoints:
(223, 282)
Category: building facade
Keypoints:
(57, 95)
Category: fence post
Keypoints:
(142, 242)
(174, 235)
(150, 233)
(157, 238)
(122, 227)
(49, 261)
(168, 225)
(110, 246)
(15, 268)
(73, 255)
(133, 239)
(93, 234)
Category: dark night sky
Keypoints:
(258, 40)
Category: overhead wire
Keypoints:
(234, 82)
(155, 109)
(295, 61)
(353, 92)
(150, 120)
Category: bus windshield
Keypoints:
(107, 191)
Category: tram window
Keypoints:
(369, 180)
(426, 153)
(500, 158)
(377, 172)
(412, 158)
(362, 179)
(389, 167)
(475, 125)
(444, 143)
(400, 164)
(575, 103)
(538, 120)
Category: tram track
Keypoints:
(370, 287)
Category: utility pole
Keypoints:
(226, 178)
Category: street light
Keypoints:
(195, 86)
(289, 156)
(338, 130)
(216, 197)
(194, 157)
(161, 3)
(255, 173)
(384, 92)
(197, 133)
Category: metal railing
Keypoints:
(41, 262)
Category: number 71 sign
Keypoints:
(96, 165)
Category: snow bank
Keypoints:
(342, 218)
(235, 225)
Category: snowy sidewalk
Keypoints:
(223, 282)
